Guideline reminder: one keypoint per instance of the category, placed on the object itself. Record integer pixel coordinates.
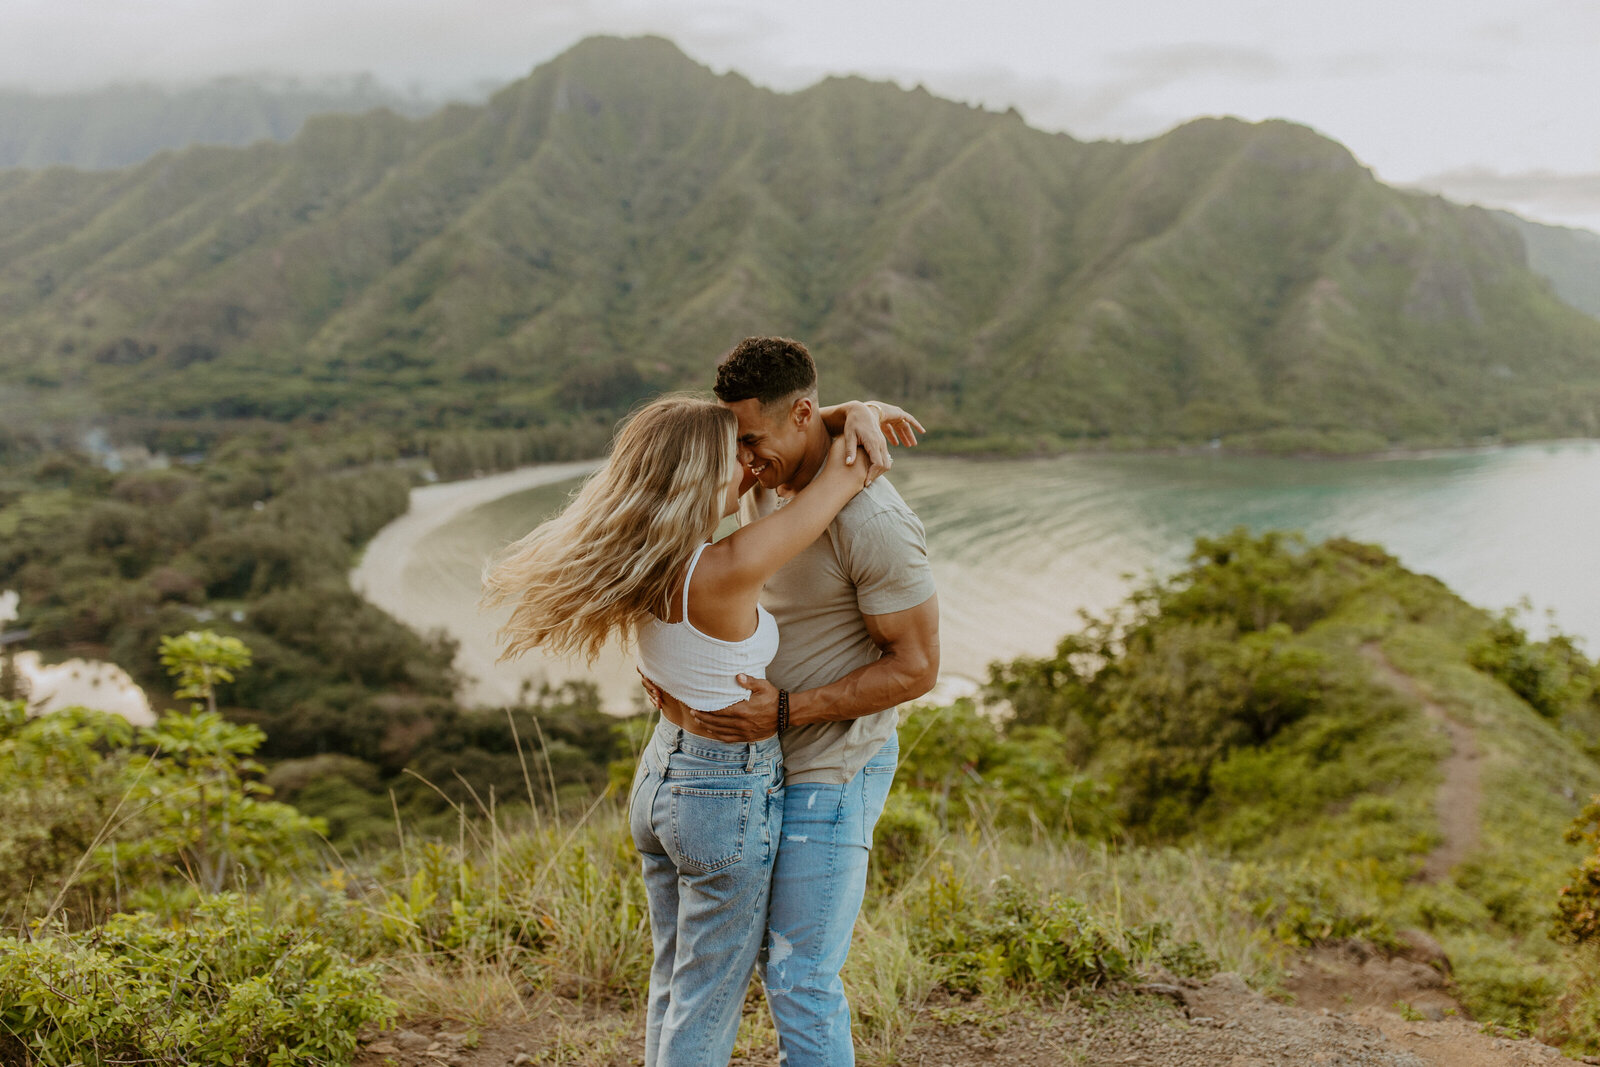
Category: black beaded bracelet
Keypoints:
(783, 710)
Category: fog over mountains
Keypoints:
(119, 125)
(604, 227)
(1569, 257)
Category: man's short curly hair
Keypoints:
(769, 369)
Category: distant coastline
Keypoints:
(381, 576)
(1123, 447)
(432, 506)
(1022, 543)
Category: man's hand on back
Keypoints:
(754, 717)
(750, 719)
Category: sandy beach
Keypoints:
(434, 505)
(428, 581)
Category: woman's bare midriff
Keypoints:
(680, 718)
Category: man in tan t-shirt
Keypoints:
(858, 631)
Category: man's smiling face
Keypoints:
(772, 449)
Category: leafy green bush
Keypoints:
(201, 810)
(1022, 938)
(1502, 987)
(1304, 905)
(62, 780)
(1578, 907)
(1221, 659)
(1552, 675)
(567, 907)
(226, 986)
(94, 808)
(342, 791)
(903, 837)
(961, 766)
(1573, 1023)
(450, 903)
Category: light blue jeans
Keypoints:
(817, 887)
(705, 816)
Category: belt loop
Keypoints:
(750, 758)
(677, 739)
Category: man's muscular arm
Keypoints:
(907, 669)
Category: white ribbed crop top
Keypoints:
(697, 668)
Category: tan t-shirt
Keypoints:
(872, 560)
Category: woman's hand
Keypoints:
(898, 424)
(872, 425)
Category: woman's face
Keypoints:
(741, 480)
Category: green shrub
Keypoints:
(202, 812)
(448, 903)
(1573, 1022)
(1219, 660)
(962, 767)
(1305, 905)
(62, 778)
(224, 987)
(1502, 987)
(903, 838)
(1578, 907)
(568, 906)
(1021, 938)
(93, 808)
(1552, 676)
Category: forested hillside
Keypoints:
(603, 228)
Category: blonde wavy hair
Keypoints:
(619, 550)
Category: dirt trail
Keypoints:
(1460, 792)
(1219, 1023)
(1353, 975)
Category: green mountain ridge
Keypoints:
(1569, 257)
(603, 228)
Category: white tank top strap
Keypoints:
(699, 669)
(689, 577)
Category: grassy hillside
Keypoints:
(1305, 706)
(603, 228)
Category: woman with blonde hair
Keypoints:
(632, 555)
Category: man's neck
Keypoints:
(818, 441)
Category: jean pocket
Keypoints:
(708, 826)
(886, 759)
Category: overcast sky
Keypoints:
(1493, 101)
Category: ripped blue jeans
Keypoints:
(817, 887)
(705, 816)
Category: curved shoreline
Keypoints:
(377, 573)
(391, 576)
